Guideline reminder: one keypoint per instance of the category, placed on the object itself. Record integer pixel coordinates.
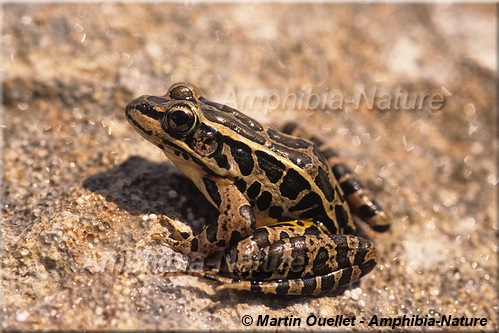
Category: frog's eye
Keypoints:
(183, 91)
(180, 119)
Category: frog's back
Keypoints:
(282, 176)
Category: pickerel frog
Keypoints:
(285, 203)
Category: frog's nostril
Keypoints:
(143, 107)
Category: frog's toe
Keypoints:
(315, 285)
(166, 240)
(354, 258)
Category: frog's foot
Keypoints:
(177, 231)
(187, 246)
(179, 239)
(315, 285)
(170, 241)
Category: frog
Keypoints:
(288, 205)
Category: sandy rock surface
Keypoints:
(82, 193)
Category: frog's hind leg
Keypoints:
(358, 197)
(292, 258)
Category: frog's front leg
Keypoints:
(236, 221)
(291, 259)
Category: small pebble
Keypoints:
(356, 293)
(22, 316)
